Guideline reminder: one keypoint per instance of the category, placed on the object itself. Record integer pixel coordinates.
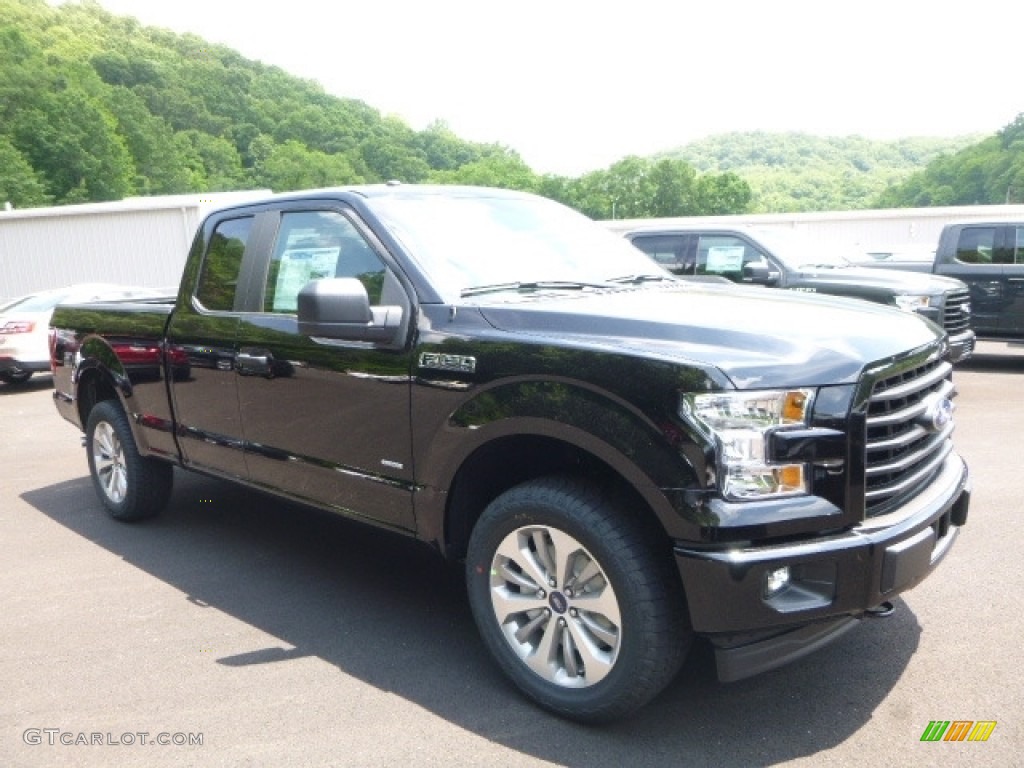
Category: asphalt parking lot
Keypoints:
(244, 631)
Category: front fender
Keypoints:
(651, 452)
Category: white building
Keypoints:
(145, 241)
(138, 241)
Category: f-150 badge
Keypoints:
(442, 362)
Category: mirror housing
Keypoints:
(339, 308)
(759, 273)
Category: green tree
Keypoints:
(988, 172)
(442, 149)
(798, 172)
(72, 141)
(214, 163)
(160, 166)
(19, 184)
(722, 193)
(498, 169)
(291, 166)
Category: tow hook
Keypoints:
(881, 611)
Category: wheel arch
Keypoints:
(101, 376)
(498, 464)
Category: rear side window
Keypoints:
(1018, 245)
(978, 245)
(218, 282)
(667, 250)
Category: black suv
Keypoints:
(779, 259)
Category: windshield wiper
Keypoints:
(537, 285)
(637, 279)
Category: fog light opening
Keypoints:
(776, 581)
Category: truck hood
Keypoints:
(888, 281)
(756, 337)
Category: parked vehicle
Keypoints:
(24, 323)
(779, 259)
(989, 257)
(620, 459)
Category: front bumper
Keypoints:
(23, 353)
(834, 580)
(13, 365)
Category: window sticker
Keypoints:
(725, 258)
(298, 267)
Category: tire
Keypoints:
(130, 486)
(574, 601)
(12, 377)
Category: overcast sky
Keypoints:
(575, 85)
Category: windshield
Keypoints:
(469, 243)
(798, 252)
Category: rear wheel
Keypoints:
(131, 486)
(15, 377)
(573, 600)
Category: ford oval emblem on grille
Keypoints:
(937, 414)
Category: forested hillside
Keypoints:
(98, 107)
(989, 172)
(797, 172)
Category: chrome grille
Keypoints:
(902, 453)
(957, 316)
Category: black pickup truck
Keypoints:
(777, 258)
(620, 460)
(989, 257)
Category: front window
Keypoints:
(316, 244)
(465, 242)
(726, 255)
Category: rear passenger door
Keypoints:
(204, 328)
(979, 262)
(324, 420)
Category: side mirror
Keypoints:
(759, 273)
(339, 308)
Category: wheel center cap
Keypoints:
(558, 602)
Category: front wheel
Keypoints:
(574, 600)
(131, 486)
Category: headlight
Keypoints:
(740, 423)
(910, 302)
